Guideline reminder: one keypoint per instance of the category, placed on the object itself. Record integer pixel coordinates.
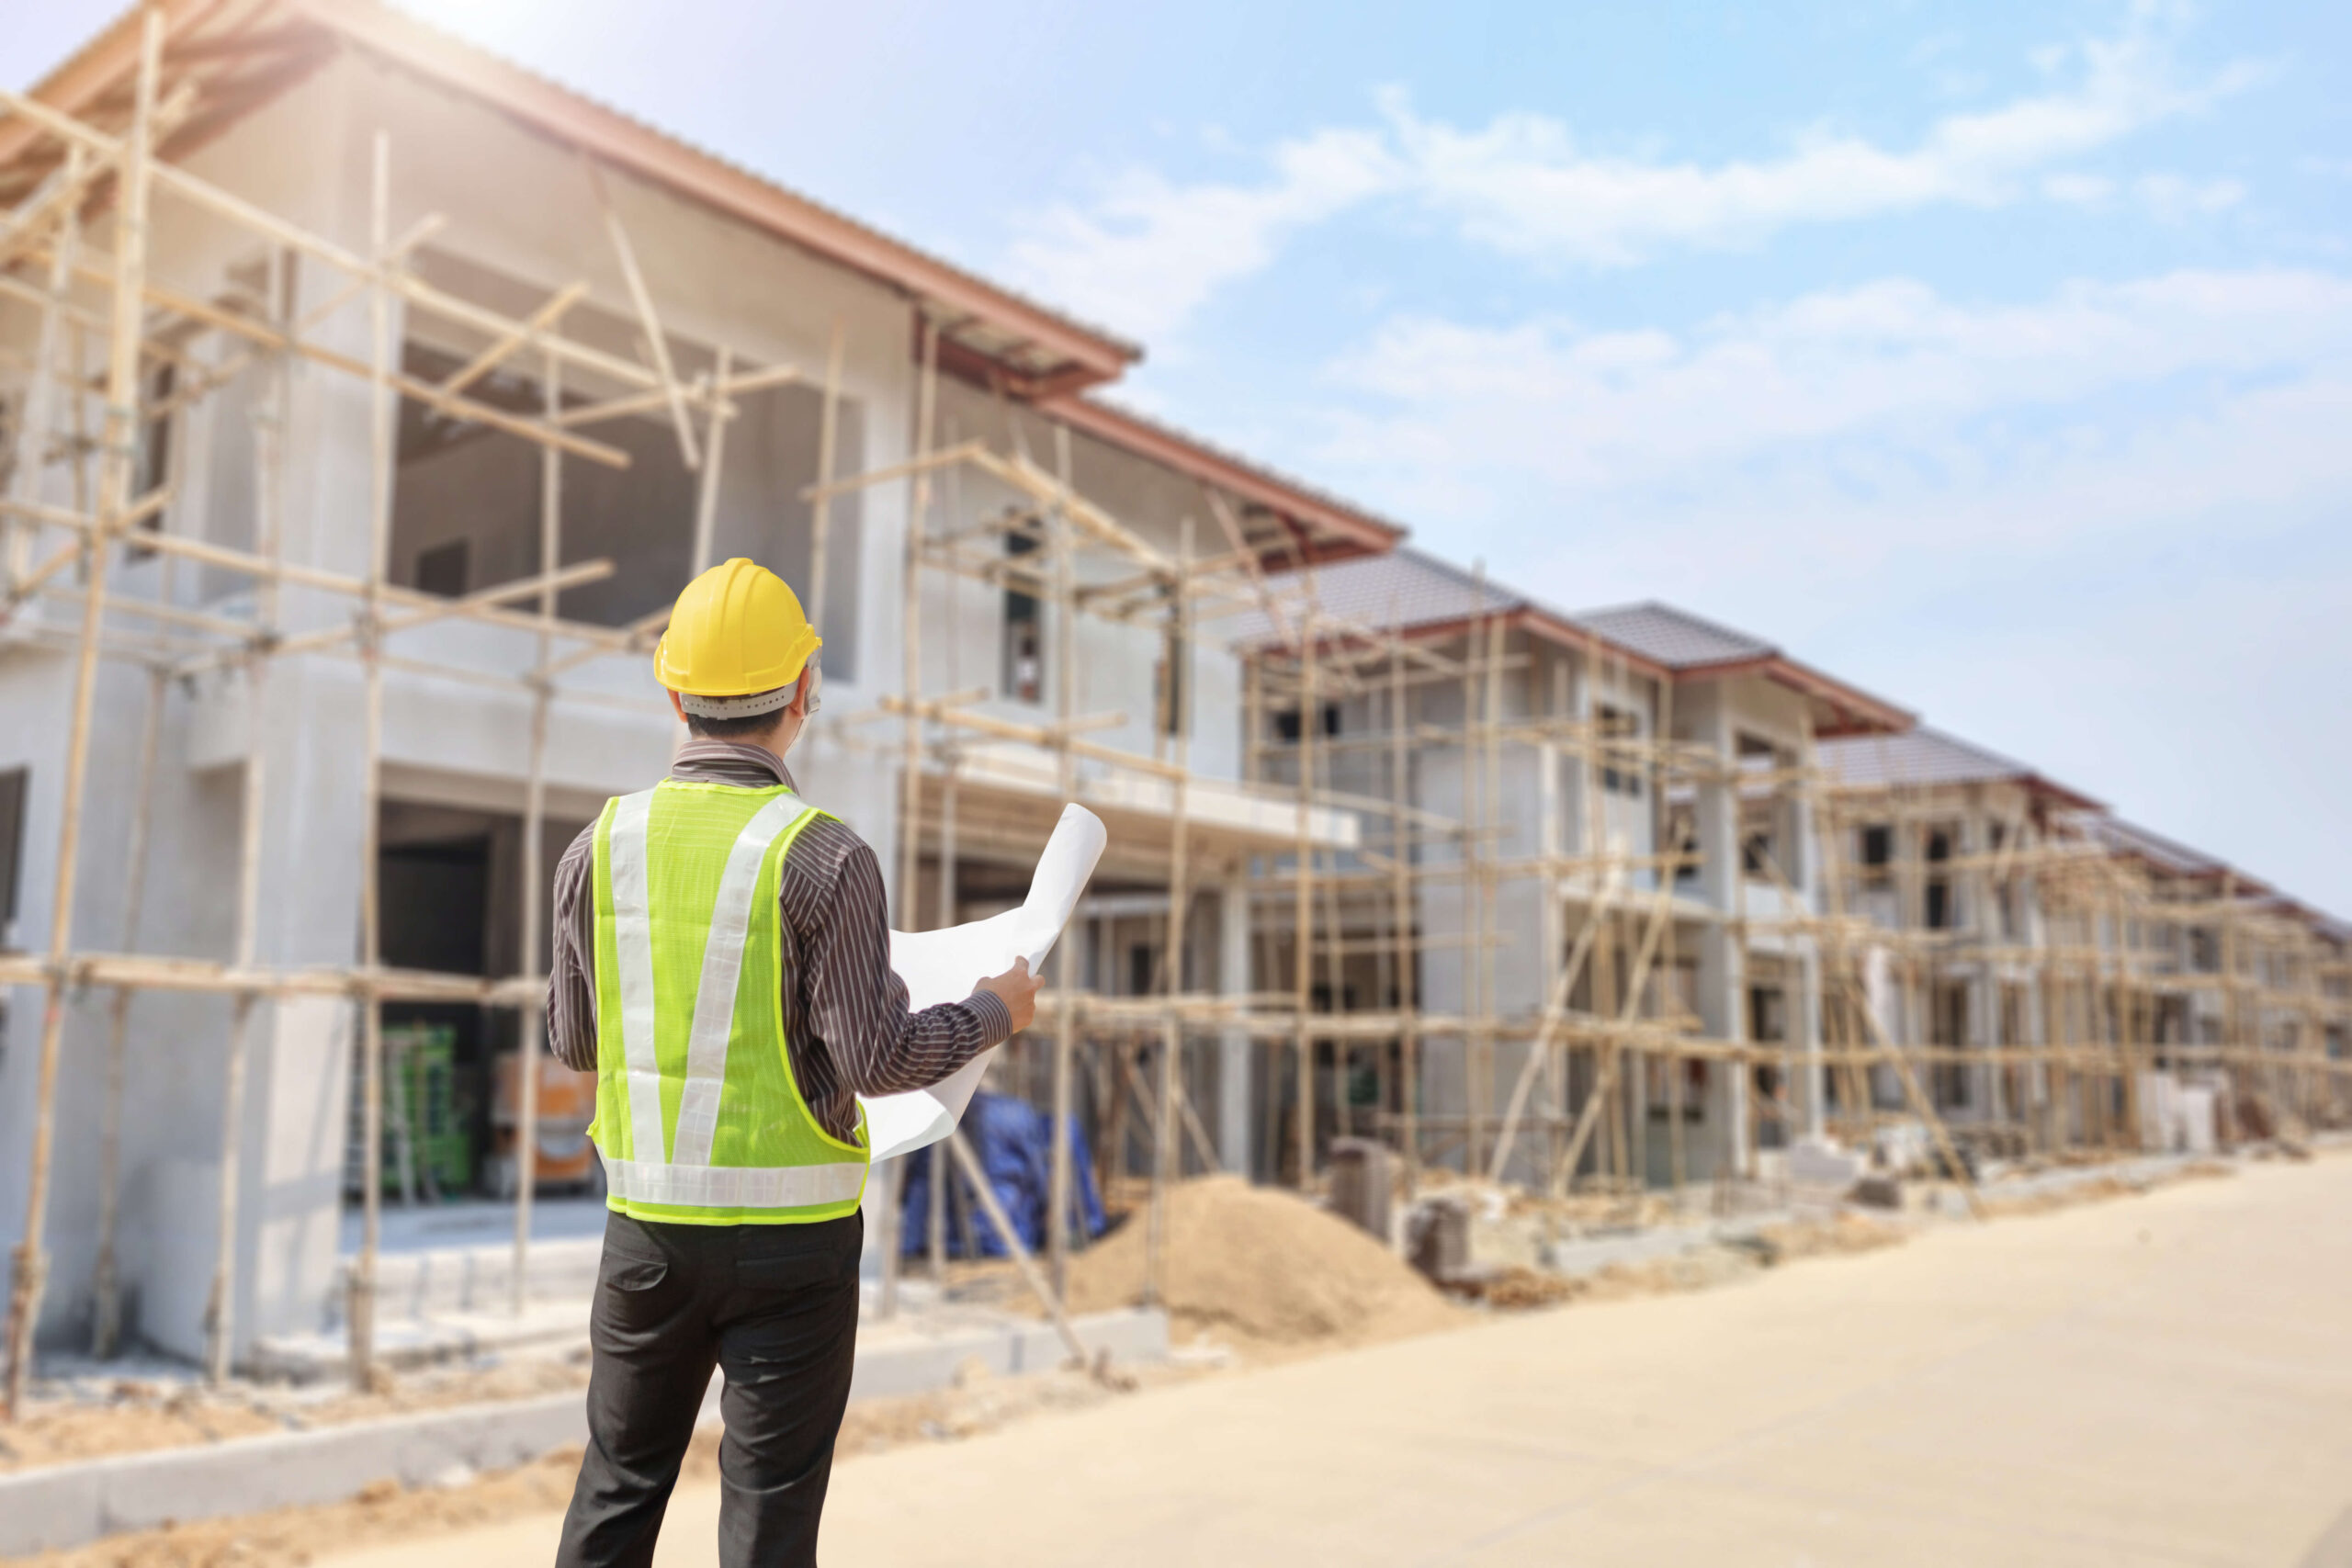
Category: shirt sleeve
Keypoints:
(857, 1004)
(572, 981)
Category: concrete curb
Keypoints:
(66, 1506)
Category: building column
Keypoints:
(1723, 963)
(1233, 1121)
(1814, 1086)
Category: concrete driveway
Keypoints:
(2157, 1379)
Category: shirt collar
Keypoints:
(730, 762)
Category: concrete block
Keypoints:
(1823, 1164)
(1437, 1237)
(47, 1510)
(2198, 1121)
(1364, 1183)
(1878, 1192)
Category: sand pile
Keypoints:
(1264, 1268)
(1843, 1232)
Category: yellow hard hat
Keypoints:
(737, 629)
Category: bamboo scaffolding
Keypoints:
(114, 493)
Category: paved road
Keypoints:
(2158, 1380)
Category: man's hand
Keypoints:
(1017, 989)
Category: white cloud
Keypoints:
(1892, 365)
(2178, 201)
(1149, 251)
(1524, 186)
(2078, 190)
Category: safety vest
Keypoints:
(698, 1116)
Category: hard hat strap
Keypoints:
(751, 706)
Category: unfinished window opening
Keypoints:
(1287, 726)
(1618, 776)
(1024, 630)
(1321, 998)
(14, 783)
(1174, 660)
(156, 389)
(1948, 1031)
(1682, 839)
(442, 569)
(152, 466)
(1942, 911)
(457, 480)
(1761, 853)
(448, 880)
(1658, 1075)
(1876, 853)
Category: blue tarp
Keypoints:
(1015, 1149)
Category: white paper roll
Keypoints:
(943, 966)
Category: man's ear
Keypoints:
(677, 707)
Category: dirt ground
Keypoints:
(1259, 1277)
(86, 1416)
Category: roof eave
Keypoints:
(1344, 532)
(1854, 711)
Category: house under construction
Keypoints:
(344, 497)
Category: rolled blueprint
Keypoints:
(943, 966)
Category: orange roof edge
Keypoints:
(1188, 455)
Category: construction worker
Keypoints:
(722, 964)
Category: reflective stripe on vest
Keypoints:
(686, 1179)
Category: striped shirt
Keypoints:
(845, 1015)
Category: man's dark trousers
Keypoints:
(775, 1308)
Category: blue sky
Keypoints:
(1997, 358)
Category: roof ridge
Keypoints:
(1469, 577)
(1690, 618)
